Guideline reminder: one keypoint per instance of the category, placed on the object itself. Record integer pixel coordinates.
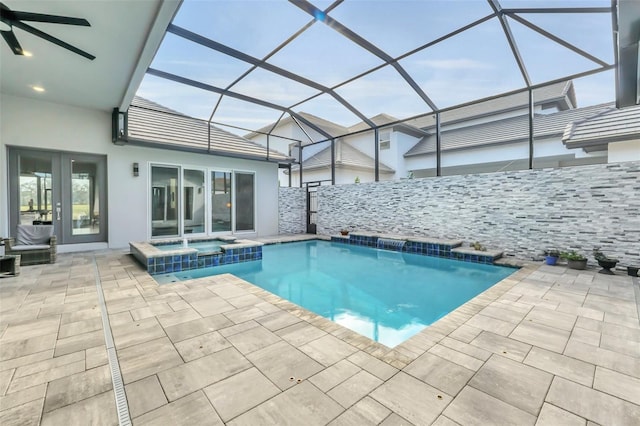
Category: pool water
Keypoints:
(384, 295)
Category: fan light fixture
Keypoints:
(10, 18)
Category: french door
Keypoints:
(64, 189)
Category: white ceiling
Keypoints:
(123, 36)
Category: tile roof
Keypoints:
(507, 130)
(562, 93)
(380, 119)
(155, 125)
(350, 157)
(326, 125)
(610, 125)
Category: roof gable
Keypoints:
(350, 157)
(607, 126)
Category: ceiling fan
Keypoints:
(10, 19)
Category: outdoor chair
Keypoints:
(34, 243)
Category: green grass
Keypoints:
(78, 209)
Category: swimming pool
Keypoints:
(384, 295)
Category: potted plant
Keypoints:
(551, 256)
(604, 261)
(477, 246)
(574, 260)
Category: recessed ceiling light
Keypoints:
(38, 88)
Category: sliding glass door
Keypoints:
(245, 195)
(194, 207)
(187, 201)
(164, 201)
(221, 201)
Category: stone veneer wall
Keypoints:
(521, 212)
(292, 210)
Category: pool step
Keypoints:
(471, 255)
(450, 249)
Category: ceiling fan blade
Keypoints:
(52, 39)
(12, 41)
(53, 19)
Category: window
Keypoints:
(384, 139)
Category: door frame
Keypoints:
(61, 191)
(312, 206)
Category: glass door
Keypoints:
(245, 201)
(220, 201)
(164, 201)
(34, 187)
(65, 190)
(84, 199)
(194, 201)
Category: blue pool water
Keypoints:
(384, 295)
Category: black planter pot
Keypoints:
(606, 266)
(632, 271)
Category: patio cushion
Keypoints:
(33, 234)
(25, 247)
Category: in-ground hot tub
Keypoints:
(181, 254)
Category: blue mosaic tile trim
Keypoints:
(178, 263)
(474, 258)
(428, 249)
(363, 240)
(415, 247)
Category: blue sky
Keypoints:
(471, 65)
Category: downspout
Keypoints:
(333, 161)
(438, 146)
(530, 129)
(300, 160)
(376, 132)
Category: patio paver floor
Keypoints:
(547, 345)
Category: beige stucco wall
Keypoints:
(624, 151)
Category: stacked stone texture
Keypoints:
(522, 212)
(292, 213)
